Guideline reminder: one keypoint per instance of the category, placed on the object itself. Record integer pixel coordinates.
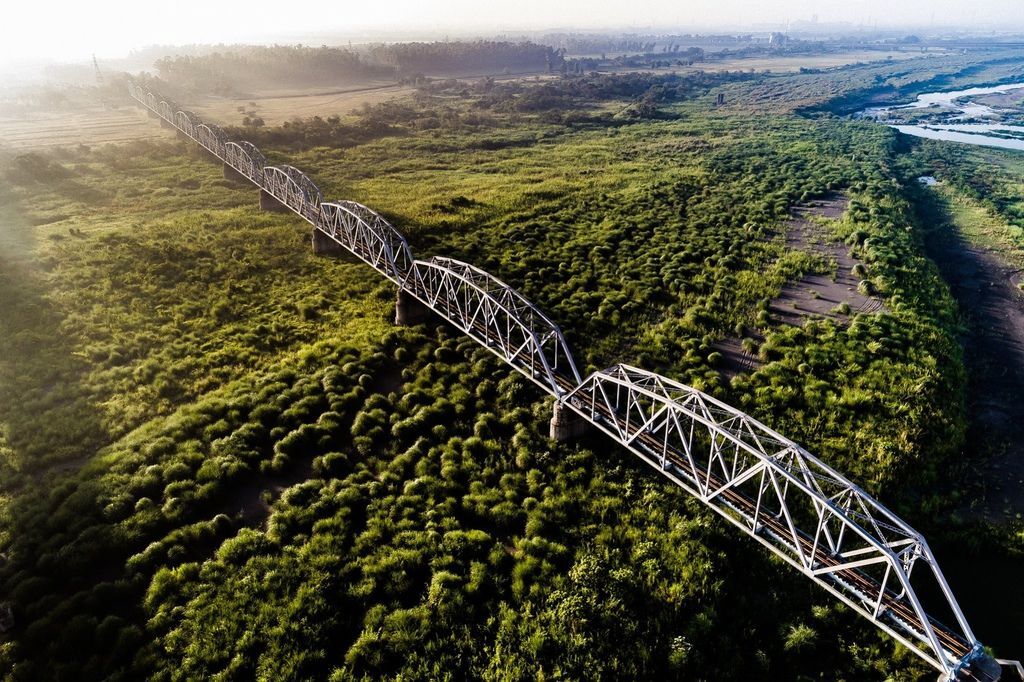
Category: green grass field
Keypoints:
(220, 459)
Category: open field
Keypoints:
(276, 107)
(88, 126)
(99, 125)
(783, 64)
(96, 125)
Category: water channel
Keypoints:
(956, 117)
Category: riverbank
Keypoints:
(955, 116)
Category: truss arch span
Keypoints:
(292, 188)
(213, 138)
(787, 499)
(167, 109)
(768, 486)
(370, 237)
(245, 158)
(137, 92)
(498, 317)
(187, 122)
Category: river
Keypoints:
(955, 117)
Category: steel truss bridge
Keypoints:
(771, 488)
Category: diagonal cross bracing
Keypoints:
(370, 237)
(245, 158)
(212, 138)
(292, 188)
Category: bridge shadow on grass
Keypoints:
(975, 560)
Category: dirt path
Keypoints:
(816, 294)
(985, 287)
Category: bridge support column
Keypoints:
(165, 124)
(324, 245)
(231, 174)
(152, 114)
(409, 311)
(269, 203)
(566, 425)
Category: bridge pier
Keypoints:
(231, 174)
(566, 425)
(164, 123)
(268, 202)
(324, 245)
(152, 114)
(409, 311)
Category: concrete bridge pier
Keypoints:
(152, 114)
(566, 425)
(324, 245)
(409, 311)
(231, 174)
(268, 202)
(164, 123)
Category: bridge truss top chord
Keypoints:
(771, 488)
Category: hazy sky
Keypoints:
(73, 29)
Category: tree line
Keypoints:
(236, 69)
